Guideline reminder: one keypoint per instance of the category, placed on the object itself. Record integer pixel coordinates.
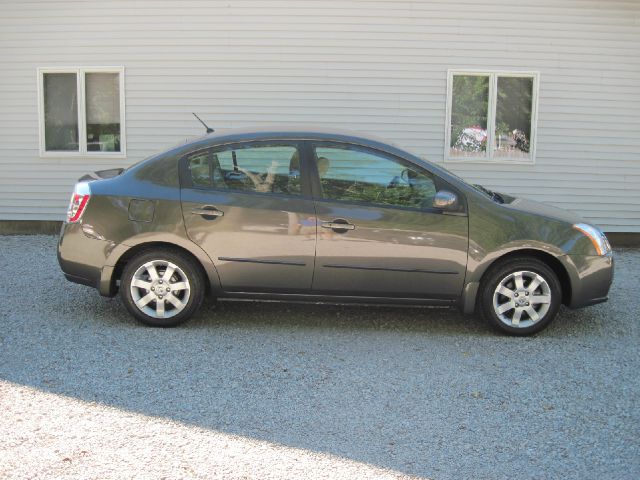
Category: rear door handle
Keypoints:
(339, 225)
(208, 211)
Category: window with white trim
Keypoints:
(81, 111)
(491, 116)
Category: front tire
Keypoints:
(520, 296)
(162, 287)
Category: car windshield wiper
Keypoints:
(496, 197)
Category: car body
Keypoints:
(334, 217)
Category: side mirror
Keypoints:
(445, 200)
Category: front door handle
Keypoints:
(339, 225)
(209, 212)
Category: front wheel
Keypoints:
(162, 288)
(520, 296)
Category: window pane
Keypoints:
(199, 168)
(513, 117)
(60, 112)
(264, 169)
(469, 107)
(354, 175)
(103, 112)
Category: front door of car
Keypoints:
(248, 207)
(379, 234)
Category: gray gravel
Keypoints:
(261, 390)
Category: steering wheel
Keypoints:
(395, 181)
(235, 175)
(408, 175)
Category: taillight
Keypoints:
(79, 199)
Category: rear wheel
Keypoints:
(162, 288)
(520, 296)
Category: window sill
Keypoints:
(497, 161)
(106, 155)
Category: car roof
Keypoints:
(292, 132)
(224, 136)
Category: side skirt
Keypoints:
(335, 299)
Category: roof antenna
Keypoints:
(209, 129)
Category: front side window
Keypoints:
(260, 169)
(355, 175)
(81, 111)
(491, 116)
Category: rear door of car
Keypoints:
(248, 205)
(378, 233)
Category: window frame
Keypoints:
(186, 181)
(318, 194)
(82, 112)
(489, 156)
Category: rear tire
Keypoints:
(520, 296)
(162, 287)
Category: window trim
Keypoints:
(489, 157)
(82, 114)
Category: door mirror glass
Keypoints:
(445, 200)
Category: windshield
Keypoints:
(496, 197)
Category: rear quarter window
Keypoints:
(199, 166)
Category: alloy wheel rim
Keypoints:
(160, 289)
(522, 299)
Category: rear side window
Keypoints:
(260, 169)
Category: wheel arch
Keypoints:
(545, 257)
(470, 297)
(114, 273)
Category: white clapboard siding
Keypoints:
(375, 66)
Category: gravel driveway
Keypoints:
(265, 390)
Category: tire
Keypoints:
(153, 301)
(520, 307)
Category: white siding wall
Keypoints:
(375, 66)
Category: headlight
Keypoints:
(598, 239)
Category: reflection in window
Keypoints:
(60, 112)
(354, 175)
(262, 169)
(103, 111)
(513, 117)
(491, 107)
(469, 107)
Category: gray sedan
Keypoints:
(325, 217)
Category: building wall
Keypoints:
(376, 66)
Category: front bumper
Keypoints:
(590, 276)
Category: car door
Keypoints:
(378, 233)
(248, 207)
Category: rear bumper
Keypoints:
(590, 277)
(83, 258)
(89, 282)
